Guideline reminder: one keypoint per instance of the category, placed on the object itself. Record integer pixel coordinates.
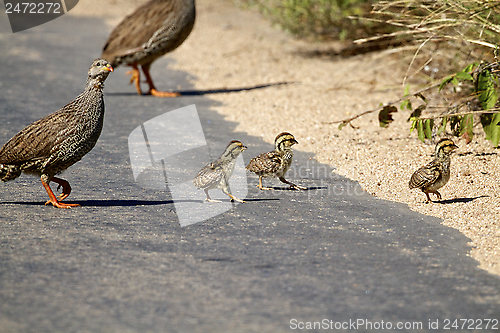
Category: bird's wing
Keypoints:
(425, 175)
(209, 176)
(135, 32)
(38, 140)
(267, 162)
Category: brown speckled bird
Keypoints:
(216, 174)
(276, 163)
(152, 30)
(52, 144)
(436, 174)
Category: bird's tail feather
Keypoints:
(9, 172)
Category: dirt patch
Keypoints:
(231, 48)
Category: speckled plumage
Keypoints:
(216, 174)
(436, 174)
(152, 30)
(275, 163)
(52, 144)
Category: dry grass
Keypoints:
(319, 19)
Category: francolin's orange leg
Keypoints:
(53, 200)
(65, 185)
(152, 89)
(135, 78)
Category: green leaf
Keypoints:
(441, 128)
(405, 104)
(469, 67)
(413, 125)
(445, 81)
(485, 87)
(407, 90)
(342, 125)
(428, 125)
(420, 130)
(416, 113)
(491, 126)
(464, 76)
(385, 117)
(466, 124)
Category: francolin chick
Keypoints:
(436, 174)
(275, 163)
(216, 174)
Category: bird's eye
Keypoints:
(98, 64)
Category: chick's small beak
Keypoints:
(244, 148)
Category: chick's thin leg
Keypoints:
(261, 187)
(292, 185)
(233, 198)
(437, 194)
(428, 197)
(210, 199)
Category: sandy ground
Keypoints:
(232, 48)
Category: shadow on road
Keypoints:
(286, 188)
(463, 200)
(210, 91)
(97, 203)
(118, 203)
